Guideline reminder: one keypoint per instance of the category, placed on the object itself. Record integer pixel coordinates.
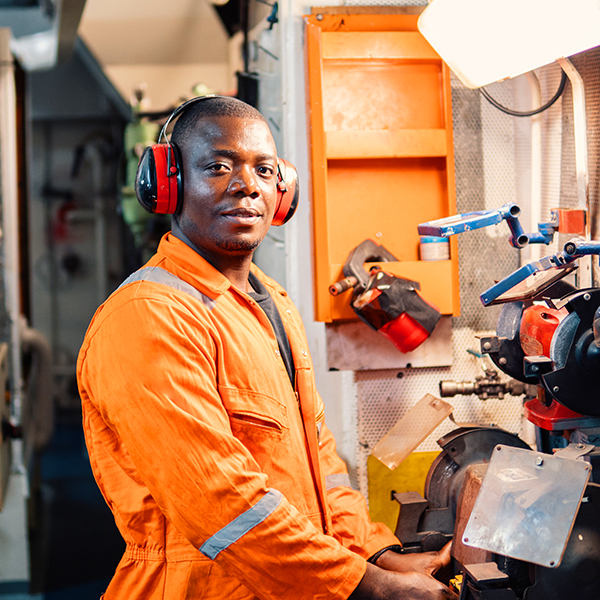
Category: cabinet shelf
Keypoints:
(385, 144)
(388, 45)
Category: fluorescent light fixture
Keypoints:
(484, 41)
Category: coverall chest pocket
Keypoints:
(257, 421)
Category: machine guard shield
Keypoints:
(411, 430)
(527, 505)
(527, 282)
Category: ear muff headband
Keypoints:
(159, 180)
(180, 109)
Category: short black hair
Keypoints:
(218, 106)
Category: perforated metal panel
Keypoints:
(385, 396)
(552, 134)
(588, 65)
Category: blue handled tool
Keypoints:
(533, 278)
(510, 212)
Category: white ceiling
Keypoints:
(170, 44)
(123, 32)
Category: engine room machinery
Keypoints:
(548, 339)
(452, 488)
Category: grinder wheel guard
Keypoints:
(388, 304)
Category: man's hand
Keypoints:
(428, 563)
(379, 584)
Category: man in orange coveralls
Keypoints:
(204, 429)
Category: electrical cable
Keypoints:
(528, 113)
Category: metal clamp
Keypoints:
(574, 451)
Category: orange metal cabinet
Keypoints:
(381, 149)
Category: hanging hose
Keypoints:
(528, 113)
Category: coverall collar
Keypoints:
(186, 263)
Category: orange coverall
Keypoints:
(223, 479)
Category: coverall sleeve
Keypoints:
(150, 370)
(352, 524)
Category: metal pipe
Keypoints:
(10, 221)
(343, 285)
(38, 403)
(584, 275)
(98, 182)
(536, 162)
(52, 267)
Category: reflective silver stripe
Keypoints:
(241, 525)
(337, 479)
(158, 275)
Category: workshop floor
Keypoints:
(75, 545)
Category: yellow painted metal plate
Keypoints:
(410, 476)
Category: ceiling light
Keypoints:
(484, 41)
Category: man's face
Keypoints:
(230, 179)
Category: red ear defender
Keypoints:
(288, 192)
(158, 182)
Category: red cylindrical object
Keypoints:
(538, 325)
(404, 332)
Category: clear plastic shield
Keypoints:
(411, 430)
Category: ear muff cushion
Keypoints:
(288, 192)
(158, 182)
